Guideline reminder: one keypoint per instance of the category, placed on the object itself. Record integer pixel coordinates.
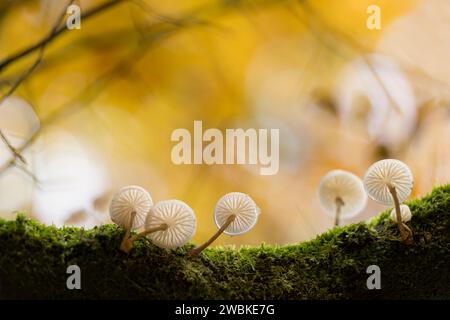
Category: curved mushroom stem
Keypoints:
(196, 251)
(129, 243)
(405, 232)
(161, 227)
(339, 204)
(124, 244)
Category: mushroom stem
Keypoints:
(339, 204)
(161, 227)
(196, 251)
(128, 245)
(124, 245)
(405, 232)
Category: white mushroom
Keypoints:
(170, 224)
(129, 208)
(235, 213)
(388, 173)
(390, 182)
(405, 213)
(242, 207)
(128, 201)
(342, 195)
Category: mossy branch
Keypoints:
(34, 259)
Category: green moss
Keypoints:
(34, 258)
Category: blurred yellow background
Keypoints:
(108, 96)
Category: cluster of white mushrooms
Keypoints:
(172, 223)
(389, 182)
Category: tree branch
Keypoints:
(332, 266)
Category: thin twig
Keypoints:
(162, 31)
(30, 174)
(59, 31)
(353, 44)
(92, 90)
(360, 48)
(38, 60)
(23, 77)
(11, 148)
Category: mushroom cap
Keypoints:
(241, 205)
(180, 219)
(127, 200)
(385, 172)
(405, 212)
(345, 185)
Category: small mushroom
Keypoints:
(235, 213)
(342, 195)
(170, 224)
(390, 182)
(405, 213)
(129, 208)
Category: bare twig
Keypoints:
(11, 148)
(163, 20)
(352, 44)
(155, 33)
(358, 47)
(90, 92)
(23, 77)
(30, 174)
(57, 32)
(38, 60)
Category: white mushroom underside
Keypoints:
(346, 186)
(180, 219)
(127, 200)
(240, 205)
(385, 172)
